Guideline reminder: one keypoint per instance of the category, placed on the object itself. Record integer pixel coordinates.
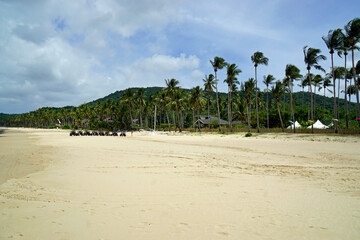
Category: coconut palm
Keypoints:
(333, 41)
(292, 73)
(128, 99)
(277, 91)
(209, 84)
(218, 63)
(325, 84)
(248, 90)
(311, 58)
(140, 94)
(196, 100)
(268, 80)
(258, 59)
(171, 86)
(352, 30)
(339, 73)
(231, 71)
(343, 50)
(317, 81)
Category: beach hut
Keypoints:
(319, 125)
(297, 125)
(205, 121)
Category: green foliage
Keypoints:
(66, 126)
(249, 134)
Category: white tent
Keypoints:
(297, 125)
(319, 125)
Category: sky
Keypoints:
(56, 53)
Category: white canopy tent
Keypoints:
(319, 125)
(297, 125)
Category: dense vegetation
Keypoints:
(245, 105)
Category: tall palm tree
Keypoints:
(277, 91)
(171, 86)
(352, 30)
(218, 63)
(343, 50)
(209, 84)
(333, 41)
(268, 80)
(292, 73)
(140, 94)
(258, 59)
(325, 84)
(311, 58)
(196, 99)
(249, 88)
(317, 81)
(128, 99)
(231, 71)
(339, 73)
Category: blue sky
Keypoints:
(58, 53)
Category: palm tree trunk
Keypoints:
(338, 99)
(174, 122)
(217, 102)
(267, 106)
(167, 116)
(333, 73)
(155, 119)
(308, 102)
(346, 105)
(256, 103)
(248, 115)
(291, 106)
(229, 107)
(311, 103)
(315, 102)
(198, 120)
(281, 121)
(140, 117)
(209, 110)
(324, 101)
(356, 85)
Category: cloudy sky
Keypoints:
(57, 53)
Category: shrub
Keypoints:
(249, 134)
(66, 126)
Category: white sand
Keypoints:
(178, 186)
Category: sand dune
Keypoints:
(171, 186)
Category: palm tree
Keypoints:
(232, 71)
(218, 63)
(248, 90)
(326, 83)
(352, 30)
(333, 41)
(277, 91)
(128, 99)
(258, 59)
(268, 80)
(344, 49)
(318, 79)
(292, 73)
(339, 73)
(196, 100)
(311, 59)
(209, 84)
(140, 94)
(171, 86)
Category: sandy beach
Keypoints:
(172, 186)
